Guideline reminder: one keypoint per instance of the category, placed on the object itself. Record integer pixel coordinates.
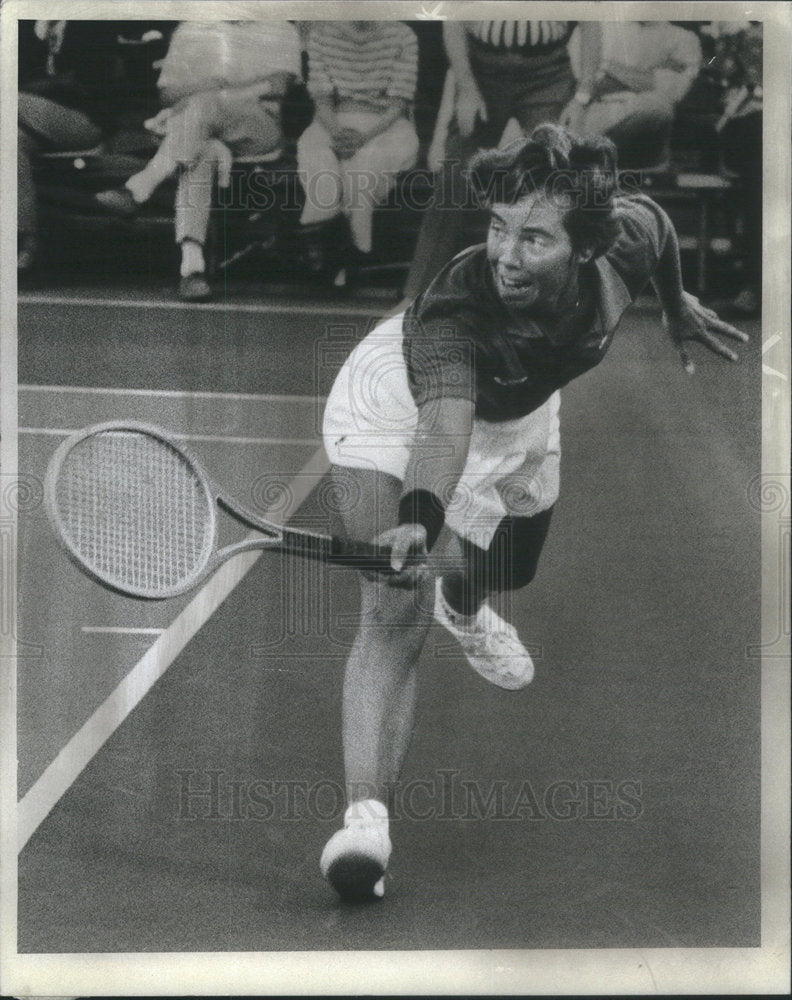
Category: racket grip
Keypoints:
(341, 551)
(360, 555)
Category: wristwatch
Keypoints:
(583, 97)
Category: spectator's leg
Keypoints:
(320, 175)
(370, 174)
(643, 136)
(193, 205)
(600, 116)
(639, 125)
(188, 128)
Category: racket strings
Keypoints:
(135, 511)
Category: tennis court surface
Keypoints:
(180, 762)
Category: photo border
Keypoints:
(590, 971)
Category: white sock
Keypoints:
(192, 258)
(460, 620)
(366, 811)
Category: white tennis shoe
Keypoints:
(491, 645)
(355, 858)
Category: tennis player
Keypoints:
(448, 415)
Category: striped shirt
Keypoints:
(364, 67)
(525, 37)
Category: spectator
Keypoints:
(646, 69)
(69, 99)
(222, 84)
(502, 70)
(362, 77)
(739, 55)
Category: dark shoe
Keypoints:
(194, 288)
(119, 201)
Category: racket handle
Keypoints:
(343, 552)
(360, 555)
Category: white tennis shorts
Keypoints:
(370, 421)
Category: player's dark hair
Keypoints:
(554, 161)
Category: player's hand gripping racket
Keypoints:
(138, 514)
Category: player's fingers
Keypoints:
(715, 345)
(727, 330)
(408, 577)
(404, 555)
(398, 558)
(401, 581)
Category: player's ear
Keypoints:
(585, 255)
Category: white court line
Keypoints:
(171, 393)
(59, 776)
(240, 307)
(64, 432)
(120, 630)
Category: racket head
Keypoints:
(132, 509)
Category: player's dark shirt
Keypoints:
(461, 341)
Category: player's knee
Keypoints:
(387, 607)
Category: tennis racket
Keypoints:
(137, 513)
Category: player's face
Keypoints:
(529, 252)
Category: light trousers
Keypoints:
(354, 186)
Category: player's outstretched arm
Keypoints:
(684, 317)
(436, 463)
(697, 322)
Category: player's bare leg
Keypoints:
(381, 683)
(380, 691)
